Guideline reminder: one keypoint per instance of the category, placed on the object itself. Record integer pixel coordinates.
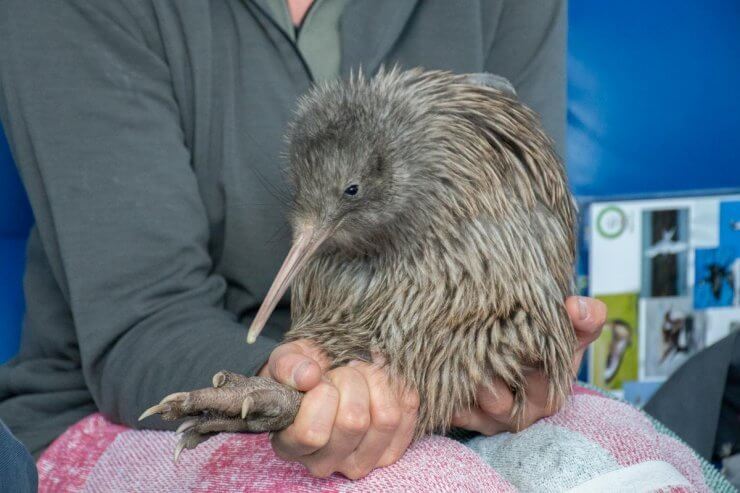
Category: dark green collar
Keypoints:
(368, 29)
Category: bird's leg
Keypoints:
(235, 403)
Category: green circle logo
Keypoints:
(611, 222)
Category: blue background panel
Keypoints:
(12, 255)
(15, 221)
(15, 213)
(654, 103)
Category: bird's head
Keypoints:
(362, 157)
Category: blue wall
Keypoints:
(654, 90)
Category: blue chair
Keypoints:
(15, 222)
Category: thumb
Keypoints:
(290, 366)
(588, 316)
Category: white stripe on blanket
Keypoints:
(645, 476)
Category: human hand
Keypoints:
(351, 419)
(493, 414)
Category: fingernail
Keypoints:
(582, 308)
(354, 363)
(300, 372)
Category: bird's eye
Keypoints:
(351, 190)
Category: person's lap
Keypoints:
(594, 440)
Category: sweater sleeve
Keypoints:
(95, 131)
(529, 49)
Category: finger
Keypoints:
(405, 432)
(476, 419)
(385, 419)
(537, 406)
(588, 316)
(493, 411)
(350, 426)
(289, 365)
(495, 406)
(313, 425)
(313, 351)
(496, 401)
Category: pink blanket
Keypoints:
(595, 444)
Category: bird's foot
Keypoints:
(235, 403)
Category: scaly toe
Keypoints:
(177, 396)
(165, 406)
(158, 409)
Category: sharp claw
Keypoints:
(186, 426)
(246, 404)
(177, 396)
(178, 449)
(158, 409)
(219, 379)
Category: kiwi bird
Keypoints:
(432, 227)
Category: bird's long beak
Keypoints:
(304, 245)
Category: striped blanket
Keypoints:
(595, 444)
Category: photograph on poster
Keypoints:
(614, 249)
(729, 239)
(614, 355)
(665, 246)
(729, 226)
(714, 277)
(719, 322)
(669, 335)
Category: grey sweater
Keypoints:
(148, 134)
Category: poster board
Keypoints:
(668, 270)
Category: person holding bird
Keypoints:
(149, 137)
